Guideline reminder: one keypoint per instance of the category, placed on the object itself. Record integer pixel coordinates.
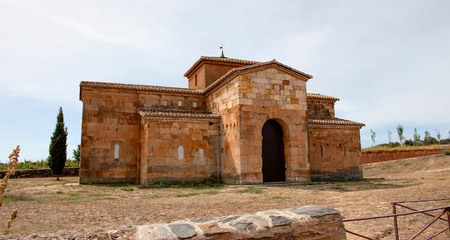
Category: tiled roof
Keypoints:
(263, 65)
(312, 96)
(219, 59)
(138, 88)
(176, 113)
(333, 122)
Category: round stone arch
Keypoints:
(275, 154)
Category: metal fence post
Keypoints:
(394, 211)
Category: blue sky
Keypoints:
(388, 61)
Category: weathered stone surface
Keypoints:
(163, 232)
(214, 230)
(244, 225)
(315, 211)
(327, 224)
(183, 231)
(229, 219)
(280, 221)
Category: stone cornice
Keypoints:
(172, 114)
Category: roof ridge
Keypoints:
(321, 96)
(332, 122)
(245, 68)
(138, 87)
(218, 59)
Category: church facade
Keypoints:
(238, 121)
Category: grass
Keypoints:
(447, 152)
(252, 190)
(386, 166)
(212, 192)
(385, 148)
(14, 198)
(59, 192)
(406, 164)
(281, 197)
(127, 189)
(187, 195)
(339, 189)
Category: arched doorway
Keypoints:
(273, 152)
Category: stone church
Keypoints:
(239, 121)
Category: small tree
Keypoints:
(400, 133)
(58, 146)
(76, 154)
(438, 135)
(416, 137)
(390, 137)
(372, 136)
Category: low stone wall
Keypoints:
(308, 222)
(35, 173)
(382, 156)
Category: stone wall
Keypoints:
(321, 108)
(308, 222)
(335, 153)
(110, 138)
(35, 173)
(179, 150)
(382, 156)
(245, 103)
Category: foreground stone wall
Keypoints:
(35, 173)
(335, 153)
(382, 156)
(308, 222)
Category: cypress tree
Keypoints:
(58, 146)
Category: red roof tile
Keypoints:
(313, 96)
(332, 122)
(218, 59)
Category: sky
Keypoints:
(388, 61)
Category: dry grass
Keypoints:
(49, 206)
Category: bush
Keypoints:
(409, 142)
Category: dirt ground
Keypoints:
(46, 205)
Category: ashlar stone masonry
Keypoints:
(239, 121)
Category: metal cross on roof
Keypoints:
(222, 56)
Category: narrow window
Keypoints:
(321, 151)
(180, 152)
(194, 104)
(116, 151)
(180, 103)
(195, 80)
(165, 103)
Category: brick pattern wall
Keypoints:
(335, 153)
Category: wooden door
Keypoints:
(273, 152)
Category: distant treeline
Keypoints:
(415, 141)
